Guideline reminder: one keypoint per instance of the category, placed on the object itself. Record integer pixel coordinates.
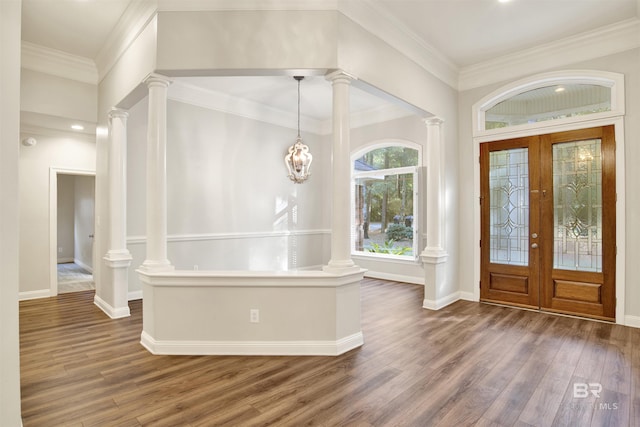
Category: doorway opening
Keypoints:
(548, 222)
(72, 215)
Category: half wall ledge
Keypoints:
(251, 313)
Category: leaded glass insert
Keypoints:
(577, 206)
(509, 206)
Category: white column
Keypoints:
(435, 187)
(157, 260)
(112, 296)
(118, 184)
(341, 261)
(434, 256)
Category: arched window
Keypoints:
(385, 202)
(549, 99)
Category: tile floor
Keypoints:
(73, 278)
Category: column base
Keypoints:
(154, 266)
(111, 297)
(434, 255)
(118, 258)
(341, 267)
(436, 294)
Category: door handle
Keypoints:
(534, 235)
(534, 245)
(91, 236)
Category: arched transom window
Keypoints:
(567, 96)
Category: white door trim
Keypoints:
(53, 221)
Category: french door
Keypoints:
(548, 222)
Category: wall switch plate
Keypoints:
(254, 315)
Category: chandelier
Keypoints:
(298, 160)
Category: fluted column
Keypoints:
(112, 296)
(434, 255)
(156, 259)
(341, 172)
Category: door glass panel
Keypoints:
(509, 206)
(577, 206)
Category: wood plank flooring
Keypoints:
(467, 364)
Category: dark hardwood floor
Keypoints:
(467, 364)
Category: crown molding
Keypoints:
(134, 20)
(601, 42)
(213, 100)
(213, 5)
(58, 63)
(376, 19)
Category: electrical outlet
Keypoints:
(254, 315)
(195, 267)
(59, 250)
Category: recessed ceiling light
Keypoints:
(77, 127)
(560, 89)
(504, 1)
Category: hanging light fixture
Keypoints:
(298, 160)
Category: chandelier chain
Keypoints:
(298, 108)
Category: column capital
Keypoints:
(433, 121)
(118, 113)
(155, 80)
(340, 76)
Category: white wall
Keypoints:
(66, 218)
(627, 63)
(230, 203)
(59, 97)
(237, 40)
(9, 211)
(84, 217)
(53, 150)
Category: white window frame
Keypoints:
(415, 170)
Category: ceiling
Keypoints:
(464, 32)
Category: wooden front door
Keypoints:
(548, 222)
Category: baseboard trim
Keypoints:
(394, 277)
(633, 321)
(83, 265)
(441, 302)
(468, 296)
(134, 295)
(65, 260)
(40, 293)
(114, 313)
(251, 348)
